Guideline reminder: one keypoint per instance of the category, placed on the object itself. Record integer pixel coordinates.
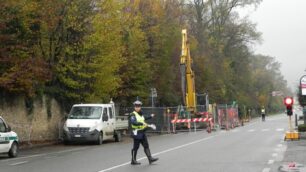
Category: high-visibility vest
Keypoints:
(139, 119)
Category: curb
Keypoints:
(27, 145)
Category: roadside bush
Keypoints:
(302, 128)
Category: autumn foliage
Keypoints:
(93, 50)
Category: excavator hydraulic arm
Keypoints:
(188, 84)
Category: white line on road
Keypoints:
(280, 129)
(162, 152)
(266, 170)
(18, 163)
(279, 145)
(44, 154)
(251, 130)
(266, 129)
(271, 161)
(274, 154)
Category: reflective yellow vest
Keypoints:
(140, 119)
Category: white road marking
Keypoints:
(271, 161)
(162, 152)
(49, 157)
(18, 163)
(251, 130)
(266, 129)
(279, 145)
(281, 153)
(44, 154)
(274, 154)
(266, 170)
(280, 129)
(276, 119)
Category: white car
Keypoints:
(8, 140)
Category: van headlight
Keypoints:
(93, 128)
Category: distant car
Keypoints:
(8, 140)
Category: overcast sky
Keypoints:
(283, 27)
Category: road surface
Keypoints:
(256, 147)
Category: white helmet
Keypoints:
(137, 102)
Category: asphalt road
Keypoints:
(256, 147)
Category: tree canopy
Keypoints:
(93, 50)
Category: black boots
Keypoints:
(148, 153)
(134, 160)
(150, 158)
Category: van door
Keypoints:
(112, 120)
(105, 122)
(4, 139)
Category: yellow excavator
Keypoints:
(187, 75)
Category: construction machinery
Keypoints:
(187, 75)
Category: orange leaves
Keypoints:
(25, 76)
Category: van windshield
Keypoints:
(85, 112)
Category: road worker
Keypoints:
(263, 113)
(139, 127)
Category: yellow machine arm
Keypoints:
(188, 84)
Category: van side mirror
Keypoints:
(66, 116)
(8, 129)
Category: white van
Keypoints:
(94, 122)
(8, 140)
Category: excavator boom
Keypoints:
(188, 84)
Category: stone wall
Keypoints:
(37, 126)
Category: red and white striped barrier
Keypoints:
(180, 120)
(201, 119)
(191, 120)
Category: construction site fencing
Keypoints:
(161, 119)
(178, 119)
(168, 119)
(227, 116)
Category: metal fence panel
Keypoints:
(227, 116)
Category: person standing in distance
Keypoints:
(139, 127)
(263, 114)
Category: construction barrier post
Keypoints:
(168, 120)
(173, 125)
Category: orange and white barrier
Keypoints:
(191, 120)
(208, 120)
(180, 121)
(202, 119)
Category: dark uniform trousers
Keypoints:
(142, 140)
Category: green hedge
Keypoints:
(302, 128)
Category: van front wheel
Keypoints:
(100, 139)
